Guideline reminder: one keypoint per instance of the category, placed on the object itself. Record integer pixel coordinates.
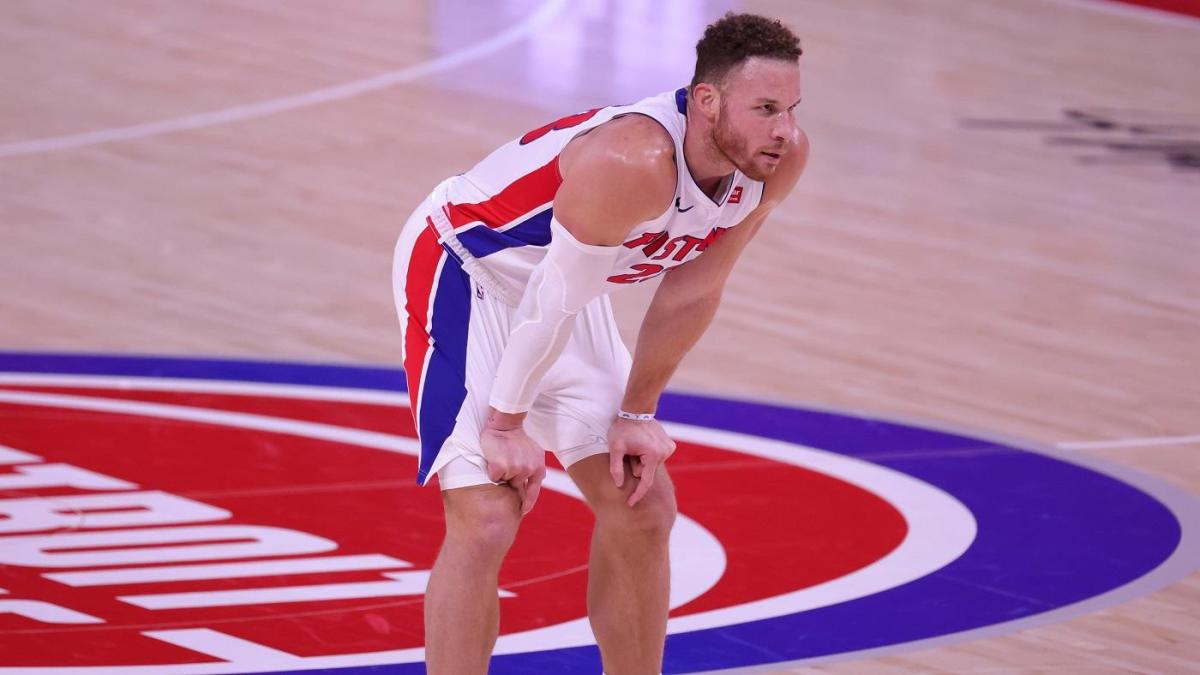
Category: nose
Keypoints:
(784, 129)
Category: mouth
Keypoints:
(773, 156)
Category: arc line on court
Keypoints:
(1128, 443)
(546, 11)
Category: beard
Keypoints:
(733, 148)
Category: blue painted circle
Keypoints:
(1050, 533)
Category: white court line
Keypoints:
(240, 113)
(1128, 442)
(168, 384)
(222, 646)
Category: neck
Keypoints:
(708, 166)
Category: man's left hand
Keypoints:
(646, 444)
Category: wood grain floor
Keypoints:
(926, 267)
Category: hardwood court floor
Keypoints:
(927, 266)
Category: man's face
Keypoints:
(757, 125)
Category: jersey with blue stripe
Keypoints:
(500, 209)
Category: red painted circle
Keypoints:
(783, 527)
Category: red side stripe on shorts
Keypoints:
(418, 292)
(518, 198)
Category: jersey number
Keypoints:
(558, 125)
(645, 271)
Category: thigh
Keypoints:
(453, 336)
(450, 434)
(582, 391)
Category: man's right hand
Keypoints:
(513, 457)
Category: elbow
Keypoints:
(701, 304)
(685, 290)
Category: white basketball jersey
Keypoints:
(500, 210)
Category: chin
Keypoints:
(757, 172)
(756, 168)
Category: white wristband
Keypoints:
(636, 417)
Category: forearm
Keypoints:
(670, 329)
(570, 276)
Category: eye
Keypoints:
(768, 108)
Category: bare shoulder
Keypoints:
(615, 176)
(780, 184)
(636, 140)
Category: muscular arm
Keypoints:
(687, 299)
(615, 177)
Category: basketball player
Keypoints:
(501, 279)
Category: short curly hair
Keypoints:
(733, 38)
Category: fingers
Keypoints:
(616, 464)
(527, 481)
(496, 471)
(644, 483)
(514, 459)
(533, 488)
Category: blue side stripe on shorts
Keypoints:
(444, 388)
(482, 241)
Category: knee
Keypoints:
(486, 526)
(651, 519)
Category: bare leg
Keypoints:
(462, 609)
(629, 572)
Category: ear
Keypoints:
(707, 99)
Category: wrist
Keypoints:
(639, 406)
(502, 421)
(635, 416)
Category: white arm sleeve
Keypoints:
(570, 276)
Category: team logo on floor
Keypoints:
(177, 516)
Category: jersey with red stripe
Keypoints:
(500, 210)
